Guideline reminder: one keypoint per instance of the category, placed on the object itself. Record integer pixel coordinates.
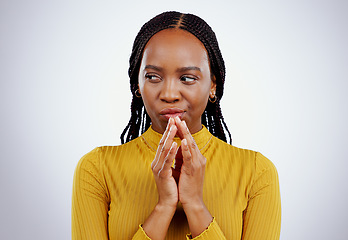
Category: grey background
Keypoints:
(64, 90)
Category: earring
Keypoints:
(212, 100)
(137, 93)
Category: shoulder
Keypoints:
(246, 167)
(233, 153)
(263, 164)
(90, 159)
(102, 156)
(247, 159)
(89, 166)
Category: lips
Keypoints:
(172, 112)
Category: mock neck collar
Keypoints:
(152, 138)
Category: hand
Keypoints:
(192, 167)
(189, 171)
(162, 170)
(156, 225)
(191, 181)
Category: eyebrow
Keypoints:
(153, 67)
(182, 69)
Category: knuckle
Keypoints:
(189, 157)
(155, 170)
(161, 142)
(204, 161)
(193, 144)
(163, 149)
(165, 159)
(168, 160)
(203, 164)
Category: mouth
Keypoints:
(171, 113)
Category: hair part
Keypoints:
(212, 116)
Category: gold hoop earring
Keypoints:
(137, 93)
(213, 100)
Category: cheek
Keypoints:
(141, 84)
(149, 95)
(199, 99)
(150, 92)
(204, 92)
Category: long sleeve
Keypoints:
(262, 218)
(114, 192)
(212, 232)
(89, 199)
(140, 234)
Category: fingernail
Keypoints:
(171, 128)
(184, 124)
(184, 142)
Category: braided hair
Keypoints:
(212, 116)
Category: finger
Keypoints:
(187, 156)
(161, 143)
(164, 147)
(182, 128)
(177, 122)
(163, 152)
(191, 143)
(168, 160)
(166, 132)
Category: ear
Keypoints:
(139, 88)
(212, 87)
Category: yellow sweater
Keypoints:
(114, 192)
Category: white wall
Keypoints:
(64, 91)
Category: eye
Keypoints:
(188, 79)
(152, 77)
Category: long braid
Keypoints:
(212, 117)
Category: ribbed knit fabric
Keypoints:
(114, 192)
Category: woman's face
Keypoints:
(175, 79)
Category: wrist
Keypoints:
(156, 225)
(198, 217)
(194, 207)
(165, 208)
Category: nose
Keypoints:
(170, 91)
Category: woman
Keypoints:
(180, 177)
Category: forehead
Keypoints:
(175, 44)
